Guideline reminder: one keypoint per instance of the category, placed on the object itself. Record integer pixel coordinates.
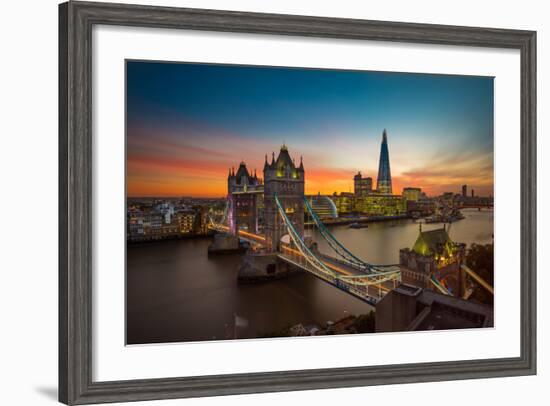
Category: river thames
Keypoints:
(175, 292)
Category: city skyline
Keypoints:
(187, 124)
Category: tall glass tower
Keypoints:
(383, 184)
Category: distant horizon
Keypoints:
(306, 194)
(188, 123)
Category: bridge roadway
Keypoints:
(341, 267)
(371, 294)
(295, 257)
(345, 269)
(243, 234)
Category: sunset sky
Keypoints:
(187, 124)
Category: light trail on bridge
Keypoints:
(293, 251)
(221, 227)
(251, 235)
(346, 271)
(333, 267)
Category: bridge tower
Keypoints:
(243, 190)
(284, 179)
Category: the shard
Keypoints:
(383, 184)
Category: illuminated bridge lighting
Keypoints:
(345, 271)
(341, 268)
(251, 235)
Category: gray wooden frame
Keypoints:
(75, 181)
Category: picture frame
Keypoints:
(76, 20)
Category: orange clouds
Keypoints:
(156, 176)
(328, 180)
(167, 164)
(174, 187)
(448, 172)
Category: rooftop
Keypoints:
(408, 290)
(433, 242)
(283, 162)
(436, 311)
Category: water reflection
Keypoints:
(175, 292)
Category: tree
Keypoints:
(365, 323)
(480, 258)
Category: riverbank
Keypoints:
(350, 324)
(172, 238)
(350, 220)
(326, 222)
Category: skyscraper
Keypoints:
(383, 184)
(464, 191)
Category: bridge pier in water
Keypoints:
(261, 266)
(225, 243)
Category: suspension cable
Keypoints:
(333, 242)
(302, 247)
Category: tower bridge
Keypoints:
(282, 242)
(281, 194)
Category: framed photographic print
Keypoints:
(253, 202)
